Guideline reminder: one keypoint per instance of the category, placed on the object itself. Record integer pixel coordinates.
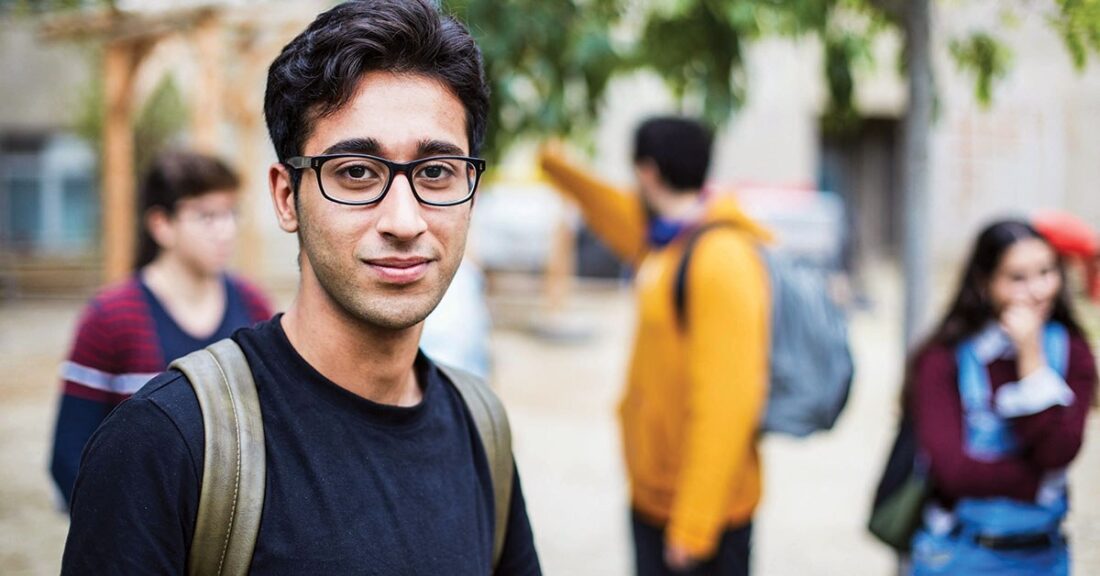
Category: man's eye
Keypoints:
(357, 171)
(433, 172)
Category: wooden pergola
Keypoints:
(127, 40)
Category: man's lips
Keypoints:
(399, 270)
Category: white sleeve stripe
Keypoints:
(105, 381)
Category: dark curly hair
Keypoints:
(319, 70)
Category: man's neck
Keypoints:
(682, 207)
(368, 361)
(175, 282)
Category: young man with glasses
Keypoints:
(374, 463)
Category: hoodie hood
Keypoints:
(725, 208)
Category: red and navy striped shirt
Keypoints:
(124, 338)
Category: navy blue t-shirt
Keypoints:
(353, 487)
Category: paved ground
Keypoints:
(561, 396)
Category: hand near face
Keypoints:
(1024, 324)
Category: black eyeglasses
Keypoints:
(361, 179)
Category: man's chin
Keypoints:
(394, 318)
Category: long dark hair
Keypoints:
(971, 309)
(173, 176)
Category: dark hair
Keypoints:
(971, 309)
(172, 176)
(680, 148)
(319, 71)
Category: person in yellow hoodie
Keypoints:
(697, 385)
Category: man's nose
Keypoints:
(400, 211)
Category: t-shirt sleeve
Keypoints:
(519, 556)
(136, 494)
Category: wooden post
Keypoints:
(120, 63)
(206, 114)
(246, 116)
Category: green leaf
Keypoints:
(986, 58)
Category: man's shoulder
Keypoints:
(119, 300)
(170, 400)
(726, 250)
(260, 339)
(124, 292)
(162, 422)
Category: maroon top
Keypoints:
(1048, 440)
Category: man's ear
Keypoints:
(647, 173)
(283, 196)
(158, 223)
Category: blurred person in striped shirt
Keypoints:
(179, 299)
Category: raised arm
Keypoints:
(615, 215)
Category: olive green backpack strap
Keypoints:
(496, 436)
(234, 465)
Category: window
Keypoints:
(48, 199)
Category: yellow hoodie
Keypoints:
(693, 398)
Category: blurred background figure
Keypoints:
(697, 383)
(457, 331)
(999, 395)
(179, 299)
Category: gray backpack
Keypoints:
(809, 360)
(234, 467)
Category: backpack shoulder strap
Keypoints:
(680, 290)
(234, 465)
(496, 436)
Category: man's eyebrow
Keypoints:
(438, 148)
(355, 146)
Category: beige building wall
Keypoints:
(1035, 148)
(26, 64)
